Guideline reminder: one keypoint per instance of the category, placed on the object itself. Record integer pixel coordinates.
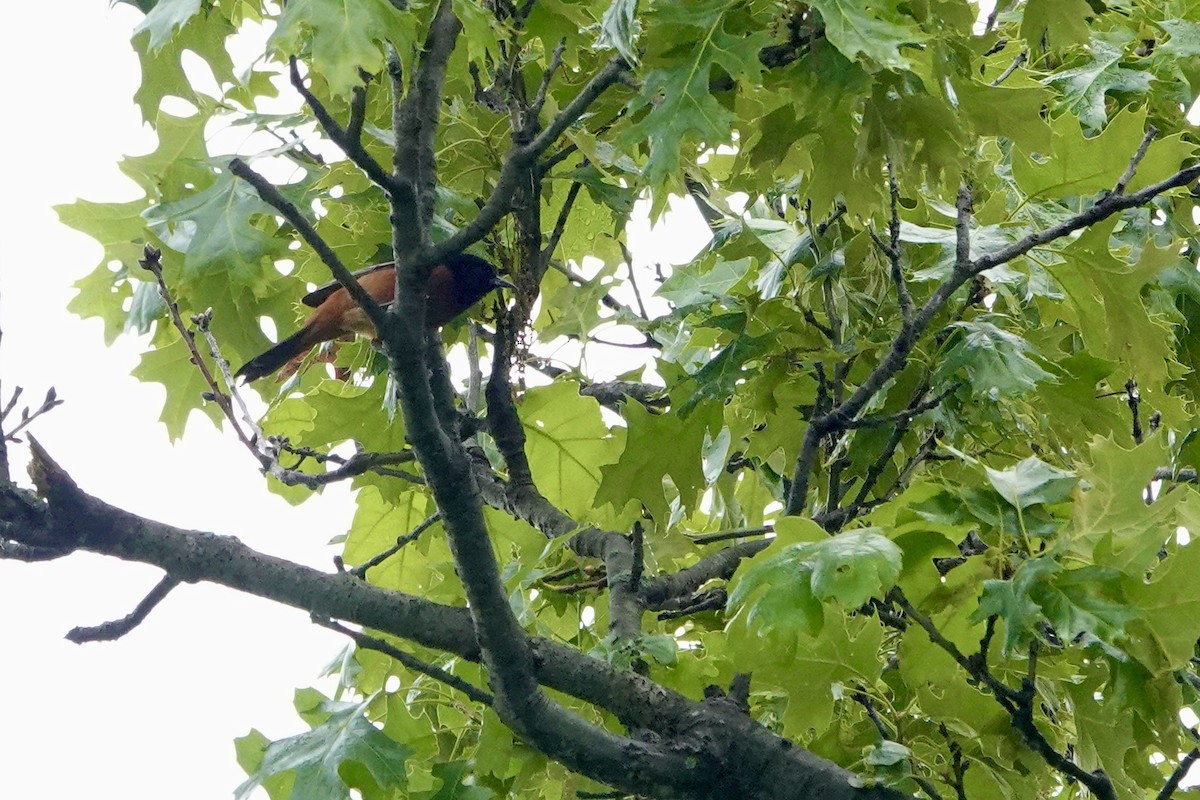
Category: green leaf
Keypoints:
(691, 286)
(887, 753)
(1085, 88)
(657, 446)
(727, 370)
(877, 30)
(996, 361)
(164, 18)
(1059, 23)
(1079, 165)
(343, 36)
(162, 67)
(215, 227)
(683, 111)
(784, 589)
(1085, 601)
(566, 442)
(619, 29)
(318, 759)
(1170, 611)
(1032, 481)
(171, 366)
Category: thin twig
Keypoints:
(115, 629)
(1021, 58)
(560, 225)
(521, 157)
(539, 99)
(905, 416)
(152, 262)
(412, 662)
(1127, 176)
(48, 404)
(893, 248)
(349, 138)
(637, 293)
(361, 570)
(1178, 774)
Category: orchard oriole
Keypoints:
(453, 286)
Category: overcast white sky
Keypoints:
(154, 714)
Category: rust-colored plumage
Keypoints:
(453, 287)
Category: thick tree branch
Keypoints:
(703, 750)
(523, 499)
(661, 590)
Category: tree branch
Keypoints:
(702, 750)
(272, 197)
(520, 157)
(349, 139)
(117, 628)
(407, 659)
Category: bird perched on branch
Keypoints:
(453, 286)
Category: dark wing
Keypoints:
(321, 293)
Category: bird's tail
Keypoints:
(266, 363)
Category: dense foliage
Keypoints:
(897, 468)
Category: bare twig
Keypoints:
(152, 262)
(539, 99)
(1021, 58)
(560, 225)
(401, 541)
(1178, 774)
(407, 659)
(349, 139)
(117, 628)
(893, 248)
(1127, 176)
(50, 402)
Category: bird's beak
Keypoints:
(498, 282)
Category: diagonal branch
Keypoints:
(349, 139)
(407, 659)
(965, 270)
(1019, 703)
(521, 157)
(115, 629)
(272, 197)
